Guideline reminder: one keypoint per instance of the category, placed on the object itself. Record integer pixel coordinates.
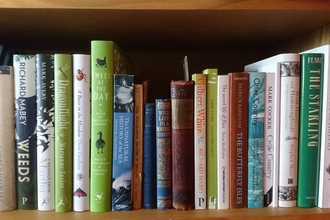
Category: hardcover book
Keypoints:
(63, 81)
(149, 158)
(200, 139)
(223, 141)
(182, 115)
(122, 161)
(163, 153)
(81, 131)
(311, 77)
(26, 135)
(106, 60)
(238, 138)
(7, 140)
(324, 156)
(211, 138)
(256, 121)
(45, 131)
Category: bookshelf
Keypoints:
(226, 34)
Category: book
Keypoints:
(26, 135)
(238, 138)
(182, 121)
(274, 64)
(149, 158)
(7, 140)
(81, 131)
(122, 160)
(200, 91)
(223, 141)
(138, 145)
(107, 59)
(311, 77)
(324, 156)
(63, 82)
(163, 153)
(45, 131)
(256, 119)
(211, 138)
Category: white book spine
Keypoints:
(223, 141)
(289, 127)
(81, 131)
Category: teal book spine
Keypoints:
(26, 135)
(256, 121)
(311, 65)
(63, 81)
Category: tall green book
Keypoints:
(63, 83)
(106, 60)
(309, 128)
(211, 138)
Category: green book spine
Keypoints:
(106, 60)
(309, 128)
(63, 82)
(26, 135)
(211, 139)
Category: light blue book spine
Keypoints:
(256, 140)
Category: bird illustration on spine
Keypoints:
(100, 143)
(101, 62)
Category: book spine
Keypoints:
(211, 138)
(223, 141)
(256, 121)
(45, 131)
(289, 123)
(182, 114)
(122, 161)
(200, 139)
(7, 140)
(81, 131)
(63, 81)
(269, 139)
(239, 87)
(163, 153)
(26, 135)
(138, 146)
(309, 128)
(149, 158)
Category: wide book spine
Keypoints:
(309, 128)
(256, 121)
(211, 138)
(289, 126)
(63, 81)
(182, 114)
(26, 135)
(81, 131)
(200, 91)
(122, 161)
(7, 140)
(163, 153)
(138, 146)
(223, 141)
(238, 153)
(149, 158)
(45, 131)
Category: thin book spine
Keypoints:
(45, 131)
(63, 81)
(200, 139)
(26, 135)
(81, 131)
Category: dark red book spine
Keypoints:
(182, 107)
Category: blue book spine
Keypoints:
(256, 139)
(122, 163)
(149, 158)
(163, 153)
